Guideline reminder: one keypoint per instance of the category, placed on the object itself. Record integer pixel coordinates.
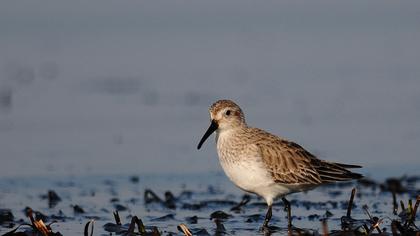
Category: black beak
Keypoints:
(213, 127)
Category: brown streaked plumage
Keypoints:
(289, 163)
(265, 164)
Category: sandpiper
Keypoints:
(264, 164)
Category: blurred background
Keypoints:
(117, 87)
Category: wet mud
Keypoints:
(206, 205)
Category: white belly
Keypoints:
(247, 175)
(252, 177)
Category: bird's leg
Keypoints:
(268, 216)
(289, 214)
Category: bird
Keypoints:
(264, 164)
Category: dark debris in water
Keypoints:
(134, 179)
(220, 215)
(165, 217)
(36, 227)
(152, 197)
(78, 210)
(245, 199)
(192, 220)
(254, 218)
(321, 214)
(6, 217)
(38, 215)
(136, 227)
(119, 207)
(52, 197)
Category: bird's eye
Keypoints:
(228, 112)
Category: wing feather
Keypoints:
(289, 163)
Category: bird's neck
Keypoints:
(225, 136)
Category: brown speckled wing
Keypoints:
(289, 163)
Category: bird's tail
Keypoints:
(347, 166)
(333, 172)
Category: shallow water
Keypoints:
(104, 89)
(197, 195)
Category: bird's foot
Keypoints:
(269, 229)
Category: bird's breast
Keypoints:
(248, 174)
(243, 165)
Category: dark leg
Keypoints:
(268, 216)
(289, 213)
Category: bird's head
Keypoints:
(224, 115)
